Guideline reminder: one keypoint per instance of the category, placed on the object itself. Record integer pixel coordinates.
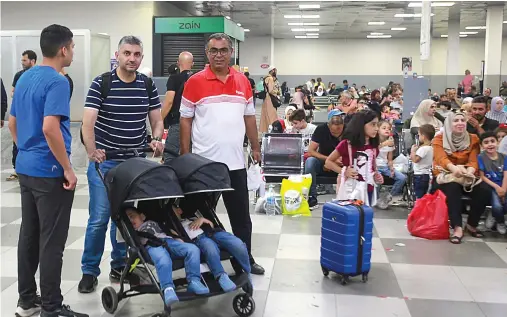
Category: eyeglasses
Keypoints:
(215, 51)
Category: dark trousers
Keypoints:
(238, 208)
(480, 195)
(14, 154)
(421, 185)
(45, 217)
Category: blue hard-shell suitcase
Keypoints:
(347, 230)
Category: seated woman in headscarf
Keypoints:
(320, 92)
(456, 151)
(425, 114)
(496, 112)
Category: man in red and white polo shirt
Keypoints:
(216, 110)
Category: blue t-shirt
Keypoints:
(493, 169)
(39, 93)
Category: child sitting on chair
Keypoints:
(209, 240)
(385, 164)
(162, 257)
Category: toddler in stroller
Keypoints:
(210, 239)
(161, 251)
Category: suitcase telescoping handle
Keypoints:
(133, 152)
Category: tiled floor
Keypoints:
(421, 279)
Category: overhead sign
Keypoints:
(198, 25)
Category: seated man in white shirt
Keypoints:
(299, 124)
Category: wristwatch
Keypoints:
(157, 138)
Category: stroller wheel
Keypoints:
(243, 305)
(109, 299)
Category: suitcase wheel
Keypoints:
(325, 271)
(365, 277)
(344, 279)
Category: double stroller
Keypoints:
(153, 188)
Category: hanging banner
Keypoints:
(425, 43)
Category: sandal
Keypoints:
(476, 234)
(455, 239)
(12, 177)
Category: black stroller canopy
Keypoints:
(198, 174)
(140, 179)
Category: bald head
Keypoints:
(185, 61)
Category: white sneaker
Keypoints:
(501, 228)
(490, 221)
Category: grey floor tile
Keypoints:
(306, 277)
(81, 201)
(5, 282)
(493, 310)
(10, 235)
(10, 214)
(217, 306)
(486, 285)
(12, 190)
(476, 254)
(428, 307)
(281, 304)
(391, 213)
(265, 245)
(369, 306)
(302, 225)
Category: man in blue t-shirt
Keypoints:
(39, 122)
(115, 121)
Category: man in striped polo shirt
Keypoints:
(216, 110)
(115, 121)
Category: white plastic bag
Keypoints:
(254, 177)
(401, 163)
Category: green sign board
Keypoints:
(196, 25)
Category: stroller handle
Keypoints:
(134, 152)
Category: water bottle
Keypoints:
(271, 201)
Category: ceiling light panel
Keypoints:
(312, 34)
(475, 28)
(300, 36)
(378, 36)
(469, 33)
(444, 35)
(376, 23)
(246, 30)
(304, 30)
(309, 6)
(463, 35)
(311, 16)
(375, 33)
(303, 23)
(292, 16)
(398, 29)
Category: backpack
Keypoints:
(175, 111)
(105, 87)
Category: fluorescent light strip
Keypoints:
(304, 30)
(311, 16)
(246, 30)
(410, 15)
(463, 35)
(302, 23)
(376, 23)
(309, 6)
(239, 24)
(227, 17)
(434, 4)
(470, 33)
(312, 34)
(504, 21)
(475, 28)
(444, 35)
(312, 37)
(375, 33)
(398, 29)
(378, 36)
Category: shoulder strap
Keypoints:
(148, 83)
(107, 81)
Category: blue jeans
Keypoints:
(498, 209)
(421, 185)
(99, 209)
(229, 242)
(399, 179)
(172, 143)
(315, 167)
(164, 265)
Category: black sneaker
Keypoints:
(28, 309)
(130, 278)
(313, 202)
(87, 284)
(256, 269)
(65, 311)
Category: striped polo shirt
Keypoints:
(121, 120)
(218, 111)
